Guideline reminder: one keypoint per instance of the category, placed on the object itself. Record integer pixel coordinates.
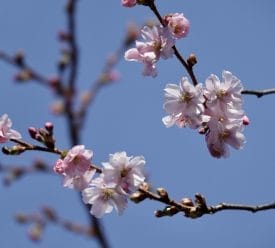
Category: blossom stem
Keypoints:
(23, 66)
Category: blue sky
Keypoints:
(237, 36)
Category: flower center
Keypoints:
(221, 93)
(107, 194)
(185, 97)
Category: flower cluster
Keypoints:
(216, 109)
(119, 178)
(6, 133)
(158, 42)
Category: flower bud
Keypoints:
(49, 127)
(19, 58)
(32, 132)
(187, 202)
(163, 193)
(138, 197)
(192, 59)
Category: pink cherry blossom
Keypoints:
(157, 43)
(103, 198)
(178, 25)
(184, 104)
(76, 168)
(128, 3)
(6, 133)
(223, 93)
(125, 172)
(224, 132)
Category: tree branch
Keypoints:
(259, 93)
(190, 208)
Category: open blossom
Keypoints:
(103, 197)
(128, 3)
(158, 42)
(184, 104)
(216, 110)
(6, 133)
(76, 168)
(177, 24)
(224, 128)
(125, 172)
(227, 118)
(227, 92)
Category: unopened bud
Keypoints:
(163, 193)
(171, 210)
(246, 120)
(32, 132)
(159, 213)
(49, 127)
(187, 202)
(23, 76)
(35, 232)
(138, 197)
(192, 60)
(19, 58)
(49, 213)
(64, 36)
(21, 218)
(14, 150)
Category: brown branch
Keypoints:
(253, 209)
(259, 93)
(192, 209)
(74, 128)
(30, 147)
(13, 172)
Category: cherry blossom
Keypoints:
(125, 171)
(103, 197)
(227, 92)
(184, 104)
(225, 128)
(158, 42)
(177, 24)
(76, 168)
(6, 133)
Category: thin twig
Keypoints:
(31, 147)
(259, 93)
(34, 75)
(228, 206)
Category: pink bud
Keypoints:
(177, 24)
(32, 132)
(246, 120)
(128, 3)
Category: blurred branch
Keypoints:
(13, 173)
(47, 215)
(26, 73)
(107, 75)
(259, 93)
(74, 128)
